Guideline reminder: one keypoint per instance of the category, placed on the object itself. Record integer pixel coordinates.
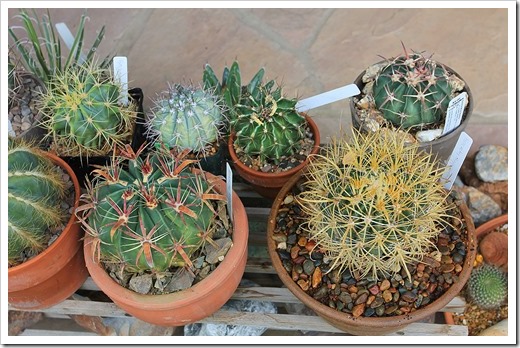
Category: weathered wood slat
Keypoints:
(38, 332)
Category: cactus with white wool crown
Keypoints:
(35, 192)
(186, 117)
(374, 204)
(151, 216)
(83, 113)
(412, 90)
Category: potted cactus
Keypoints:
(188, 117)
(368, 238)
(84, 118)
(410, 93)
(270, 139)
(159, 219)
(46, 262)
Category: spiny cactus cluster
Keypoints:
(151, 216)
(373, 204)
(487, 286)
(413, 91)
(83, 115)
(35, 193)
(186, 117)
(265, 121)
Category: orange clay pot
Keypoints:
(268, 184)
(366, 325)
(57, 272)
(496, 249)
(190, 305)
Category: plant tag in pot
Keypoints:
(121, 76)
(454, 112)
(68, 38)
(229, 190)
(327, 97)
(456, 159)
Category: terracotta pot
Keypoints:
(190, 305)
(269, 184)
(58, 271)
(443, 146)
(365, 325)
(482, 232)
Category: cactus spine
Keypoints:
(35, 192)
(153, 215)
(373, 204)
(187, 118)
(487, 286)
(83, 116)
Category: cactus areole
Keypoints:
(151, 216)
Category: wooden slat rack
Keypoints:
(58, 319)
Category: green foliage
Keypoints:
(413, 91)
(40, 48)
(151, 216)
(35, 193)
(487, 286)
(187, 118)
(83, 116)
(374, 203)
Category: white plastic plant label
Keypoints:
(454, 112)
(10, 128)
(327, 97)
(456, 159)
(68, 38)
(121, 76)
(229, 190)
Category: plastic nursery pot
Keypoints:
(216, 163)
(365, 325)
(190, 305)
(57, 272)
(269, 184)
(83, 166)
(500, 248)
(443, 146)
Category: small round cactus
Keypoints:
(35, 193)
(374, 204)
(487, 286)
(186, 117)
(83, 115)
(151, 216)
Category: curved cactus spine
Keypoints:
(83, 116)
(153, 215)
(374, 204)
(186, 117)
(487, 286)
(35, 193)
(413, 91)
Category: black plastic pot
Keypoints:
(443, 146)
(83, 166)
(216, 164)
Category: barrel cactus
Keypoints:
(151, 216)
(82, 112)
(186, 117)
(35, 193)
(412, 90)
(374, 204)
(487, 286)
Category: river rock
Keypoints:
(491, 163)
(481, 206)
(428, 135)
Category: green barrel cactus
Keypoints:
(82, 112)
(151, 216)
(186, 117)
(413, 91)
(35, 192)
(487, 286)
(374, 204)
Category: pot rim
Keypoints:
(490, 225)
(236, 161)
(19, 269)
(373, 322)
(231, 263)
